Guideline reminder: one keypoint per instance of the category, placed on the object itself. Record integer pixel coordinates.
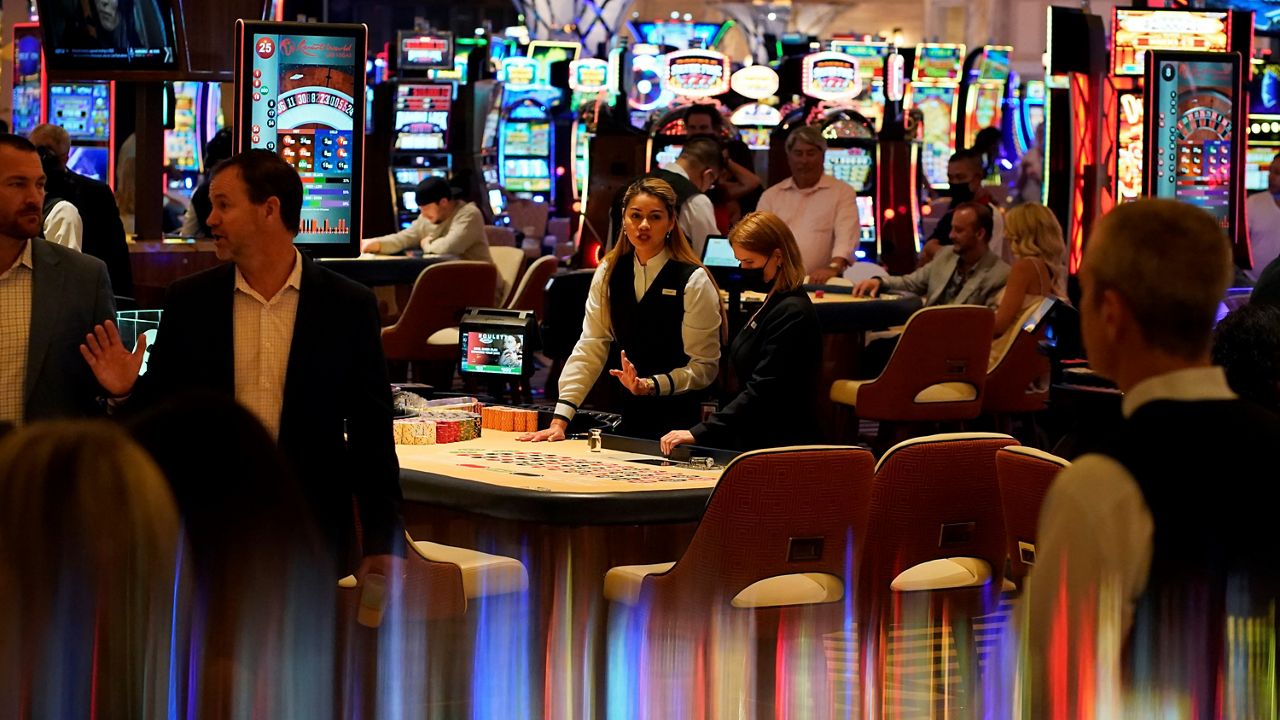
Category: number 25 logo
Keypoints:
(266, 48)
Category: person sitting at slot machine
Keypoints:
(821, 210)
(653, 315)
(775, 358)
(447, 224)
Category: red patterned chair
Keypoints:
(1025, 475)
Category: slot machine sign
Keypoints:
(589, 76)
(519, 73)
(426, 52)
(831, 76)
(697, 73)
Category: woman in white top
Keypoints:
(653, 315)
(1039, 268)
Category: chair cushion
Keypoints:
(947, 392)
(483, 575)
(845, 392)
(793, 589)
(622, 583)
(446, 336)
(943, 574)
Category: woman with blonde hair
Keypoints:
(1039, 267)
(653, 315)
(89, 559)
(776, 357)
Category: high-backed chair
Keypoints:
(1018, 375)
(935, 374)
(528, 217)
(531, 292)
(440, 296)
(777, 533)
(509, 261)
(498, 236)
(1025, 475)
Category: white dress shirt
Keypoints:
(698, 216)
(15, 335)
(824, 218)
(262, 332)
(1094, 537)
(700, 331)
(1263, 218)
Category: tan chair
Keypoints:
(509, 261)
(440, 296)
(497, 236)
(1018, 374)
(531, 293)
(528, 217)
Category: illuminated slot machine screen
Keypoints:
(82, 109)
(91, 161)
(181, 149)
(527, 174)
(937, 103)
(422, 116)
(526, 138)
(1129, 147)
(28, 78)
(301, 96)
(1258, 166)
(938, 63)
(1137, 31)
(1191, 130)
(851, 165)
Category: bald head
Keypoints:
(52, 137)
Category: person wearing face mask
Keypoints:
(1262, 212)
(964, 175)
(776, 357)
(653, 316)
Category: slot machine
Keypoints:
(526, 133)
(30, 84)
(935, 92)
(591, 81)
(1263, 124)
(1029, 116)
(871, 56)
(986, 79)
(300, 94)
(421, 116)
(86, 111)
(197, 117)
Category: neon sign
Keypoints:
(697, 73)
(831, 76)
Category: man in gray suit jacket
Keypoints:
(50, 297)
(963, 273)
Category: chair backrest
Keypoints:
(528, 217)
(499, 236)
(566, 306)
(777, 512)
(509, 261)
(1025, 475)
(941, 347)
(933, 497)
(440, 295)
(1018, 378)
(532, 291)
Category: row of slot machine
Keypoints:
(1157, 113)
(87, 111)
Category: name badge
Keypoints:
(669, 291)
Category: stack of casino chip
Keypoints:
(510, 419)
(437, 427)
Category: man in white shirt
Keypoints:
(1148, 546)
(296, 344)
(821, 211)
(700, 162)
(1262, 213)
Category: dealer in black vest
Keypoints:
(653, 316)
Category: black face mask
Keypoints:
(960, 193)
(753, 280)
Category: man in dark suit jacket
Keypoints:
(49, 297)
(103, 230)
(325, 395)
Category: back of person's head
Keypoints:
(806, 134)
(1171, 263)
(969, 157)
(1032, 230)
(704, 151)
(89, 559)
(56, 181)
(987, 140)
(220, 147)
(266, 175)
(1246, 344)
(53, 137)
(982, 213)
(763, 232)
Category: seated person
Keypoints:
(1247, 346)
(964, 174)
(777, 355)
(447, 224)
(738, 190)
(965, 272)
(1039, 268)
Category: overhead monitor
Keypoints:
(424, 51)
(680, 35)
(109, 36)
(993, 63)
(301, 96)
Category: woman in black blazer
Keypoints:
(775, 358)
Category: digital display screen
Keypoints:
(1137, 31)
(938, 62)
(82, 109)
(492, 353)
(937, 104)
(667, 155)
(985, 103)
(1264, 90)
(851, 165)
(718, 252)
(1258, 167)
(304, 104)
(546, 52)
(109, 35)
(1129, 150)
(181, 146)
(425, 52)
(681, 36)
(1193, 132)
(527, 174)
(866, 224)
(92, 162)
(524, 139)
(422, 116)
(870, 57)
(27, 98)
(994, 63)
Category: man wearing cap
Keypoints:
(446, 225)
